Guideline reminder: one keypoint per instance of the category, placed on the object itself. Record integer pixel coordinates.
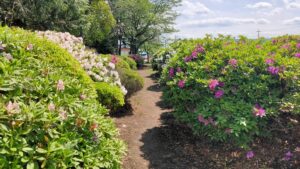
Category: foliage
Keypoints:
(100, 69)
(49, 113)
(110, 96)
(131, 62)
(132, 81)
(91, 19)
(161, 58)
(231, 90)
(141, 21)
(101, 22)
(139, 60)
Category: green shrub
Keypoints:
(230, 90)
(49, 113)
(130, 61)
(139, 60)
(110, 96)
(132, 81)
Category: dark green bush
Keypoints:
(132, 81)
(110, 96)
(49, 113)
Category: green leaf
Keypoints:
(42, 151)
(30, 165)
(27, 149)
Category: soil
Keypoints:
(156, 141)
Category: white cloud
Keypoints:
(293, 21)
(191, 8)
(273, 12)
(260, 5)
(291, 4)
(227, 21)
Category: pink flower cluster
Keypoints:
(12, 108)
(298, 45)
(270, 61)
(60, 85)
(206, 122)
(259, 111)
(273, 70)
(181, 83)
(171, 72)
(194, 55)
(250, 154)
(286, 46)
(297, 55)
(114, 60)
(213, 83)
(233, 62)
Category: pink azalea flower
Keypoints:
(286, 46)
(297, 55)
(288, 156)
(273, 70)
(179, 70)
(82, 96)
(250, 154)
(171, 72)
(201, 119)
(213, 84)
(29, 47)
(199, 49)
(270, 61)
(298, 45)
(219, 94)
(194, 55)
(12, 108)
(274, 41)
(181, 83)
(60, 85)
(233, 62)
(114, 60)
(188, 59)
(258, 46)
(259, 111)
(63, 114)
(51, 107)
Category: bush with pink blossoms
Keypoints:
(49, 113)
(233, 89)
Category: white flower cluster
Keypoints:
(98, 68)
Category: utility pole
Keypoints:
(258, 33)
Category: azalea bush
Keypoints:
(49, 113)
(99, 68)
(231, 90)
(130, 78)
(139, 60)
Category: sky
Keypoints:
(238, 17)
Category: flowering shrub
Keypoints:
(100, 69)
(49, 113)
(139, 60)
(229, 90)
(132, 81)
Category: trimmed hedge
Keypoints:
(49, 113)
(110, 96)
(231, 90)
(130, 61)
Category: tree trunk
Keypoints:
(133, 48)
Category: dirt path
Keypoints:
(146, 115)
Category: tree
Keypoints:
(144, 20)
(91, 19)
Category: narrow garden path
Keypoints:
(145, 116)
